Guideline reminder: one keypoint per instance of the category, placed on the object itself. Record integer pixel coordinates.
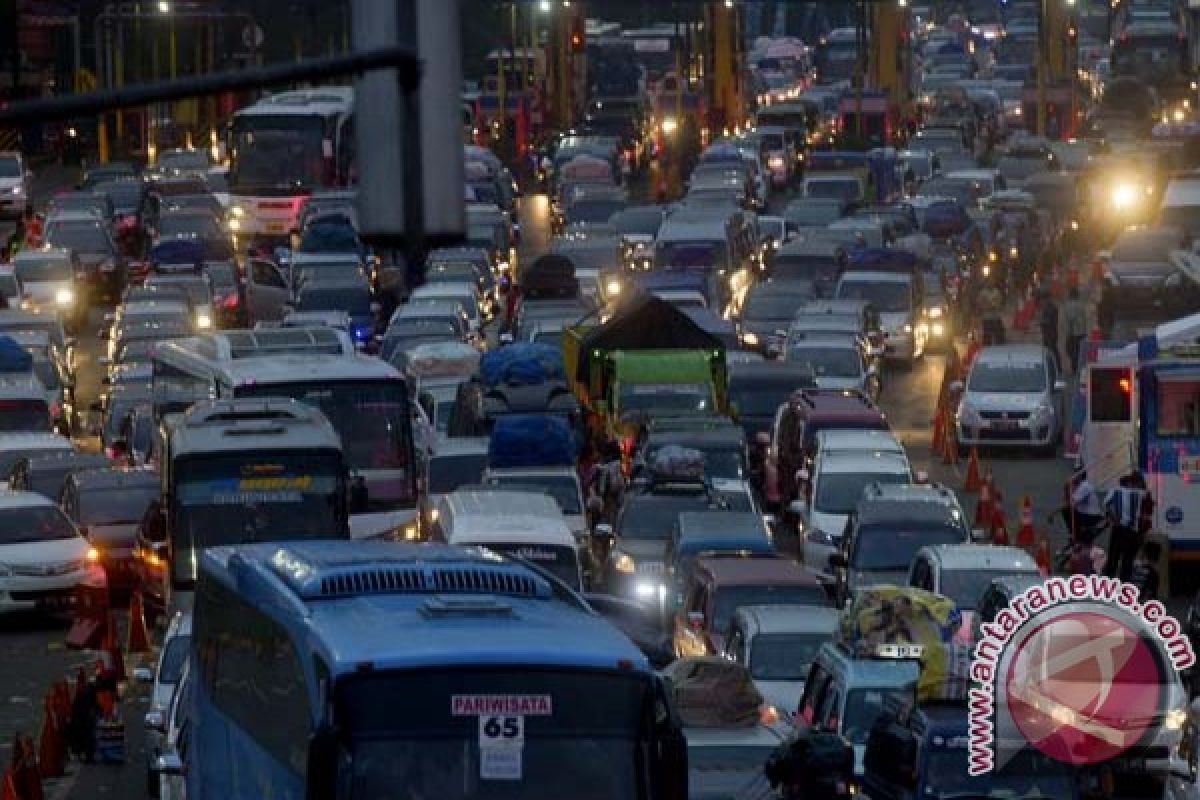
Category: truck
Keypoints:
(648, 360)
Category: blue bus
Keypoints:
(358, 670)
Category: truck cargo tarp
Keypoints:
(646, 323)
(712, 692)
(14, 357)
(179, 252)
(531, 440)
(521, 364)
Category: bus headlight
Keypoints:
(64, 297)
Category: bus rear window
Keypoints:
(1179, 407)
(1111, 393)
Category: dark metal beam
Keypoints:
(84, 105)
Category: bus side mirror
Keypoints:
(322, 764)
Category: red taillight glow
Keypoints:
(229, 301)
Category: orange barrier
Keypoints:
(973, 481)
(26, 777)
(999, 527)
(1025, 533)
(949, 441)
(939, 432)
(973, 349)
(138, 640)
(983, 508)
(1042, 557)
(52, 746)
(9, 789)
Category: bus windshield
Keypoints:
(578, 731)
(277, 152)
(373, 419)
(222, 499)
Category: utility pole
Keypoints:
(1042, 67)
(502, 95)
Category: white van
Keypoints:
(521, 524)
(841, 186)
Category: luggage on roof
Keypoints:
(14, 357)
(712, 692)
(531, 440)
(673, 463)
(521, 364)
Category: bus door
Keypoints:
(1170, 433)
(1109, 445)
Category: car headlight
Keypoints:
(16, 190)
(624, 563)
(1175, 719)
(93, 556)
(1124, 196)
(935, 312)
(235, 224)
(411, 532)
(750, 338)
(1043, 410)
(775, 162)
(992, 256)
(203, 320)
(238, 211)
(908, 328)
(1013, 252)
(987, 270)
(64, 297)
(613, 287)
(1074, 224)
(1173, 280)
(938, 329)
(669, 125)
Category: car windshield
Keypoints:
(805, 268)
(34, 270)
(691, 254)
(784, 656)
(34, 524)
(730, 598)
(965, 586)
(1029, 774)
(757, 400)
(329, 237)
(592, 212)
(893, 547)
(10, 168)
(183, 160)
(1021, 167)
(82, 237)
(653, 516)
(563, 488)
(839, 492)
(1011, 377)
(863, 707)
(126, 196)
(354, 301)
(173, 658)
(447, 473)
(115, 505)
(848, 189)
(814, 214)
(637, 222)
(829, 362)
(768, 305)
(885, 296)
(666, 398)
(188, 225)
(1144, 248)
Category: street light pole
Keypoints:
(1042, 65)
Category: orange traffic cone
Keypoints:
(973, 348)
(999, 527)
(1025, 534)
(939, 432)
(983, 509)
(51, 752)
(974, 481)
(116, 663)
(9, 789)
(1042, 557)
(949, 443)
(26, 776)
(138, 640)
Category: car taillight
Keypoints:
(229, 301)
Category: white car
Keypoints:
(14, 184)
(1013, 397)
(43, 557)
(778, 644)
(165, 678)
(170, 766)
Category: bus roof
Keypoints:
(320, 101)
(252, 425)
(447, 606)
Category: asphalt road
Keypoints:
(31, 648)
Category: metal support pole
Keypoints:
(502, 97)
(1042, 66)
(76, 53)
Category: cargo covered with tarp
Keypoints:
(186, 253)
(712, 692)
(675, 464)
(550, 275)
(14, 357)
(521, 364)
(531, 440)
(442, 360)
(899, 622)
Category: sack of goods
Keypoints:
(903, 622)
(712, 692)
(678, 464)
(531, 440)
(521, 364)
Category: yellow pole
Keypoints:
(102, 141)
(119, 79)
(173, 49)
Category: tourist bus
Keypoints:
(237, 471)
(281, 150)
(401, 670)
(366, 400)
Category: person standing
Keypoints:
(1049, 325)
(1127, 511)
(1075, 321)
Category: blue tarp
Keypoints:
(179, 251)
(522, 364)
(531, 440)
(13, 357)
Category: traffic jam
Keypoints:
(820, 421)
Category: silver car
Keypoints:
(837, 362)
(1013, 397)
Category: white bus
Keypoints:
(283, 148)
(366, 400)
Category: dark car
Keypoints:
(756, 392)
(1142, 287)
(103, 267)
(107, 505)
(768, 310)
(330, 233)
(102, 173)
(352, 297)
